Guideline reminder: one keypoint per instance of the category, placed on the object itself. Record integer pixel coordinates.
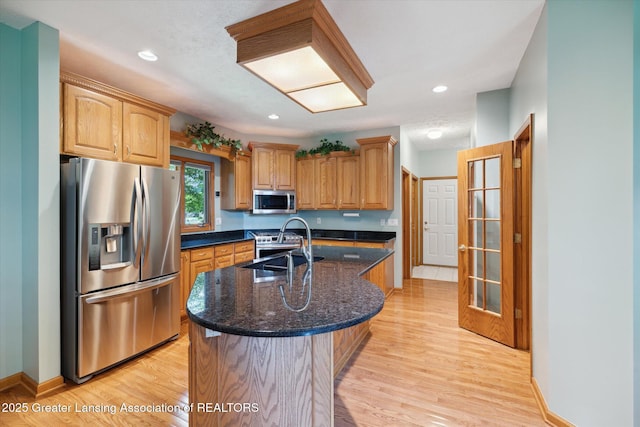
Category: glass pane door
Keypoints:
(484, 233)
(485, 257)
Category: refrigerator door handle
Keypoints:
(130, 290)
(137, 216)
(147, 219)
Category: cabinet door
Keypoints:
(243, 183)
(92, 124)
(326, 182)
(185, 281)
(305, 183)
(374, 177)
(285, 170)
(198, 267)
(348, 182)
(235, 183)
(262, 168)
(144, 136)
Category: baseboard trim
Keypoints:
(549, 417)
(33, 388)
(10, 381)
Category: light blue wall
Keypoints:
(436, 163)
(10, 203)
(590, 158)
(40, 202)
(29, 196)
(576, 76)
(492, 117)
(529, 95)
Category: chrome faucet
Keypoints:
(308, 251)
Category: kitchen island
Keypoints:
(262, 342)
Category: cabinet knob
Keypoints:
(115, 149)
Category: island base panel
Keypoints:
(255, 381)
(345, 343)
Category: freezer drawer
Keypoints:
(119, 323)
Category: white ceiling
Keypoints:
(408, 47)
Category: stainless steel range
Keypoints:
(267, 242)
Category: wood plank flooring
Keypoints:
(417, 368)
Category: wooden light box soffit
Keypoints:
(299, 50)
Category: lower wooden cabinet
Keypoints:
(200, 260)
(185, 281)
(381, 274)
(244, 251)
(223, 255)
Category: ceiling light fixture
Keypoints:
(434, 134)
(299, 50)
(440, 89)
(273, 116)
(147, 55)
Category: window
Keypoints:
(196, 178)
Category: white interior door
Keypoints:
(440, 222)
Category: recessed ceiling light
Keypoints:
(440, 89)
(274, 116)
(147, 55)
(434, 134)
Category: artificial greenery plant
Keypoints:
(324, 148)
(202, 133)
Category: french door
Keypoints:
(485, 241)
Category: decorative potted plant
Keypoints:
(324, 148)
(202, 133)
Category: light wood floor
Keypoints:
(417, 368)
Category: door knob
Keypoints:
(462, 248)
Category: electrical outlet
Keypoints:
(318, 220)
(382, 222)
(393, 222)
(218, 221)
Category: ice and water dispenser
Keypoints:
(109, 246)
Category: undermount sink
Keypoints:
(280, 263)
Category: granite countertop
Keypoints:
(360, 236)
(198, 240)
(244, 301)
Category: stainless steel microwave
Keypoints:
(274, 202)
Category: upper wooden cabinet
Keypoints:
(273, 166)
(92, 124)
(329, 182)
(103, 122)
(325, 178)
(348, 182)
(376, 172)
(145, 135)
(235, 182)
(306, 183)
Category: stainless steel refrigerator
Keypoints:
(120, 247)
